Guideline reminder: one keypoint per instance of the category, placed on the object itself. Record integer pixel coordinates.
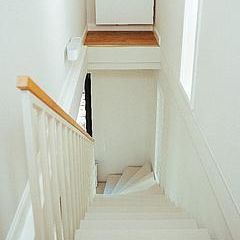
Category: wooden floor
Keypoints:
(120, 38)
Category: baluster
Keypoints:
(75, 158)
(31, 134)
(45, 159)
(77, 174)
(66, 162)
(65, 207)
(81, 177)
(72, 177)
(54, 181)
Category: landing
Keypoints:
(121, 38)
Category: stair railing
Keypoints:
(61, 166)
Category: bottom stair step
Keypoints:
(186, 234)
(138, 224)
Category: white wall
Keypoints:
(33, 38)
(91, 19)
(124, 105)
(200, 168)
(217, 98)
(182, 169)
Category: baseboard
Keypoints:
(94, 27)
(20, 215)
(84, 35)
(221, 189)
(157, 35)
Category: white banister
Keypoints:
(61, 165)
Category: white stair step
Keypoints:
(143, 184)
(154, 190)
(130, 196)
(127, 174)
(141, 209)
(183, 234)
(138, 224)
(136, 216)
(143, 171)
(128, 203)
(111, 182)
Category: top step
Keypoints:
(120, 38)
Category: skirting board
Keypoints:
(157, 35)
(93, 27)
(124, 66)
(20, 215)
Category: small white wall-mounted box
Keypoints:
(73, 48)
(124, 12)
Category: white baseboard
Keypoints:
(94, 27)
(157, 35)
(84, 35)
(20, 215)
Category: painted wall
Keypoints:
(182, 169)
(217, 99)
(200, 166)
(33, 38)
(91, 19)
(124, 105)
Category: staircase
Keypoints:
(62, 176)
(134, 207)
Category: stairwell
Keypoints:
(133, 206)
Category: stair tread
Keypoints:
(111, 183)
(127, 174)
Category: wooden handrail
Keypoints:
(25, 83)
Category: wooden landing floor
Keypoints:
(120, 38)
